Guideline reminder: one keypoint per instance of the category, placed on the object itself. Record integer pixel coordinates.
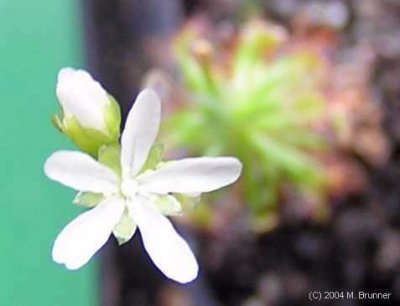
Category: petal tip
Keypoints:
(150, 95)
(238, 167)
(49, 165)
(188, 277)
(184, 274)
(65, 71)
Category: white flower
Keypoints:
(135, 191)
(82, 97)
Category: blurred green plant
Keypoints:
(257, 101)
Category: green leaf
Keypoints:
(197, 75)
(256, 39)
(309, 106)
(261, 184)
(88, 199)
(300, 167)
(304, 139)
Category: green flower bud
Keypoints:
(90, 117)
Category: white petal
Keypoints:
(169, 252)
(86, 234)
(82, 97)
(191, 175)
(140, 132)
(81, 172)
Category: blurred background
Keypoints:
(305, 92)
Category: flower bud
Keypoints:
(90, 116)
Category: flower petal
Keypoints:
(81, 172)
(86, 234)
(82, 97)
(169, 252)
(191, 175)
(140, 132)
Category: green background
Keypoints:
(37, 38)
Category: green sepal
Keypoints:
(154, 158)
(57, 122)
(112, 118)
(188, 202)
(168, 205)
(125, 229)
(110, 156)
(90, 140)
(88, 199)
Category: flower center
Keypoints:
(129, 188)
